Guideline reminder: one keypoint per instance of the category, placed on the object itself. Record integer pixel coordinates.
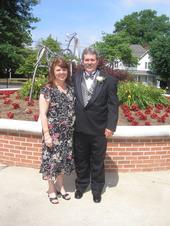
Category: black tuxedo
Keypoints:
(101, 112)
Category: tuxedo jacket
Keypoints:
(101, 112)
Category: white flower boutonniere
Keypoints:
(100, 79)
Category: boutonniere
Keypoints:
(100, 78)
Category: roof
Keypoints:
(137, 50)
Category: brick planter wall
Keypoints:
(20, 149)
(123, 154)
(138, 154)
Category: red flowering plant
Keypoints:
(143, 105)
(22, 109)
(18, 105)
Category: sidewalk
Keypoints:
(129, 199)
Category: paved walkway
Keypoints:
(129, 199)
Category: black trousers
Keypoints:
(89, 154)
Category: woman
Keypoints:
(56, 104)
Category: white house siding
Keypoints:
(144, 60)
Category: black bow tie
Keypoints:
(91, 76)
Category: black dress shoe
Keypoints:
(97, 198)
(78, 194)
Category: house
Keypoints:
(141, 72)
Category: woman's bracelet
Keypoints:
(47, 135)
(47, 138)
(46, 131)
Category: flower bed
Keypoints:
(13, 107)
(159, 114)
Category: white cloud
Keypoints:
(136, 2)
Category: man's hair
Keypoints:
(91, 51)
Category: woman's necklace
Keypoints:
(62, 89)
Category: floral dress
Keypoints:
(61, 117)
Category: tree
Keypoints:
(52, 44)
(143, 27)
(15, 21)
(115, 46)
(27, 65)
(30, 58)
(160, 53)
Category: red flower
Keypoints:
(15, 105)
(154, 115)
(134, 107)
(148, 111)
(148, 123)
(134, 123)
(168, 109)
(161, 119)
(159, 106)
(17, 96)
(10, 115)
(125, 107)
(165, 115)
(143, 117)
(127, 114)
(36, 116)
(7, 92)
(7, 95)
(7, 101)
(157, 110)
(130, 118)
(30, 103)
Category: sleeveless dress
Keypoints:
(61, 117)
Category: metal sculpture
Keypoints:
(49, 54)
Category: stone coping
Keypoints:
(122, 131)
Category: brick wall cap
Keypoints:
(20, 125)
(121, 131)
(142, 131)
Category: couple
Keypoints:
(87, 113)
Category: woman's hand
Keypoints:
(48, 140)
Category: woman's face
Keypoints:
(60, 73)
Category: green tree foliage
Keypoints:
(52, 44)
(15, 22)
(115, 46)
(27, 65)
(144, 26)
(160, 53)
(30, 58)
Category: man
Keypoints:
(96, 119)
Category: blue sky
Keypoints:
(88, 18)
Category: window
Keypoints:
(149, 65)
(116, 64)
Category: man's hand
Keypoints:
(108, 133)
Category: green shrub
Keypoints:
(140, 94)
(39, 82)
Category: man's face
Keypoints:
(90, 63)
